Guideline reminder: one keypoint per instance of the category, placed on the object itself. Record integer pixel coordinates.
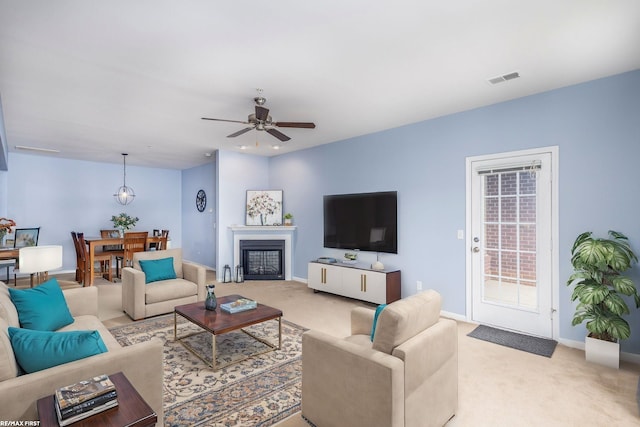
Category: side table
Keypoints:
(132, 410)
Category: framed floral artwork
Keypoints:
(264, 207)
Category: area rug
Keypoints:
(259, 391)
(535, 345)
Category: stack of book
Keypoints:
(239, 305)
(84, 399)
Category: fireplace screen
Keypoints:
(262, 259)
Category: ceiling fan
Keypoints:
(261, 120)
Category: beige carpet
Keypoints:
(499, 386)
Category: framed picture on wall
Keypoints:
(264, 207)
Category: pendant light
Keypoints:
(125, 194)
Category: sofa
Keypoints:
(141, 363)
(406, 376)
(143, 298)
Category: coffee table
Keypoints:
(219, 322)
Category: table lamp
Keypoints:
(40, 259)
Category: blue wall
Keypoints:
(198, 228)
(236, 173)
(61, 195)
(596, 126)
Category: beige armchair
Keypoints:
(141, 299)
(406, 377)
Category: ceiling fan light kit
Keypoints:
(262, 121)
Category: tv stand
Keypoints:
(357, 281)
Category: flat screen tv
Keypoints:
(363, 221)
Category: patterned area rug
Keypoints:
(259, 391)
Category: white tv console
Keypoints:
(355, 281)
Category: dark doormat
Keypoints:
(535, 345)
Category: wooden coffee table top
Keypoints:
(219, 322)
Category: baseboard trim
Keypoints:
(454, 316)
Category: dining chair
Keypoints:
(162, 244)
(134, 241)
(11, 262)
(116, 251)
(82, 260)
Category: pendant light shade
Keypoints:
(124, 195)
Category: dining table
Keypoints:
(93, 242)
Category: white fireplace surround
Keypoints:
(244, 232)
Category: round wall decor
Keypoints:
(201, 200)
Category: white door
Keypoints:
(511, 241)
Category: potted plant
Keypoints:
(123, 222)
(599, 283)
(288, 219)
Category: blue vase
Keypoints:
(211, 302)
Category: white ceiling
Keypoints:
(96, 78)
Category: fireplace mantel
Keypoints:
(259, 228)
(265, 232)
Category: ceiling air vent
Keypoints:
(504, 78)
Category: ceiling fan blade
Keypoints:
(281, 136)
(305, 125)
(262, 113)
(225, 120)
(240, 132)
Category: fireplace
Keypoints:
(265, 232)
(262, 259)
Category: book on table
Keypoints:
(86, 414)
(95, 394)
(241, 304)
(85, 406)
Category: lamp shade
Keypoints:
(37, 259)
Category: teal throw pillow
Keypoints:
(38, 350)
(42, 308)
(158, 269)
(375, 319)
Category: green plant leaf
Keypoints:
(593, 294)
(581, 238)
(598, 325)
(618, 328)
(619, 259)
(578, 275)
(624, 285)
(575, 295)
(592, 253)
(578, 318)
(616, 304)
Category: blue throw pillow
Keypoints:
(375, 319)
(38, 350)
(158, 269)
(42, 308)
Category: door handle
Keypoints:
(476, 249)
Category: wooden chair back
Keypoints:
(82, 260)
(80, 256)
(162, 244)
(110, 233)
(134, 241)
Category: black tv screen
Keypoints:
(364, 221)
